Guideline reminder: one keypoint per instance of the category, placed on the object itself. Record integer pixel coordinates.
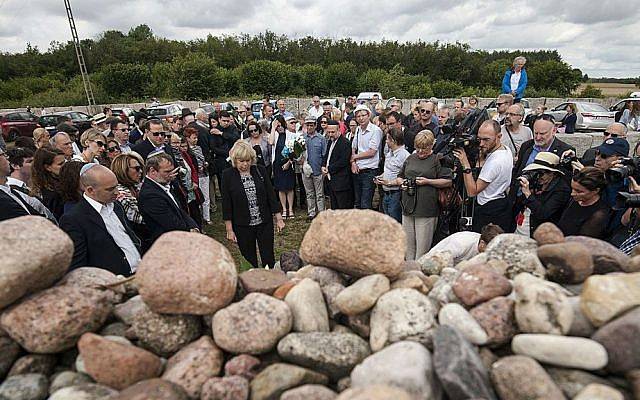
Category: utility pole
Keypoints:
(83, 66)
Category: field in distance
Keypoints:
(611, 89)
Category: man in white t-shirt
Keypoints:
(490, 189)
(514, 133)
(365, 157)
(466, 245)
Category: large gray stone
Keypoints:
(541, 306)
(458, 317)
(67, 378)
(621, 338)
(405, 365)
(35, 254)
(401, 314)
(520, 378)
(606, 296)
(572, 381)
(606, 257)
(519, 252)
(277, 378)
(308, 308)
(25, 387)
(459, 367)
(95, 278)
(9, 352)
(334, 354)
(253, 325)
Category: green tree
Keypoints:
(312, 76)
(554, 75)
(590, 91)
(265, 77)
(341, 78)
(372, 80)
(125, 81)
(197, 77)
(447, 89)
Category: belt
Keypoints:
(391, 190)
(367, 169)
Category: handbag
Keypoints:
(449, 199)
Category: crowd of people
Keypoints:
(116, 187)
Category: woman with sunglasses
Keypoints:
(284, 177)
(45, 178)
(93, 146)
(129, 170)
(113, 150)
(587, 213)
(260, 145)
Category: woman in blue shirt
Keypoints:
(515, 79)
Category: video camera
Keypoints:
(630, 167)
(566, 161)
(463, 135)
(626, 200)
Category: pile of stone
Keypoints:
(544, 318)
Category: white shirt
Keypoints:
(497, 173)
(167, 190)
(76, 149)
(520, 136)
(117, 231)
(462, 246)
(515, 80)
(316, 112)
(332, 144)
(366, 140)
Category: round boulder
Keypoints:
(379, 248)
(199, 279)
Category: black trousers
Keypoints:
(496, 212)
(247, 237)
(342, 200)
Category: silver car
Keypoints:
(589, 116)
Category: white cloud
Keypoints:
(597, 36)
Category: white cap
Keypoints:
(361, 107)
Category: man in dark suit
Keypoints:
(11, 204)
(98, 227)
(336, 168)
(159, 209)
(154, 140)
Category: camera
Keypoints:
(410, 186)
(463, 141)
(626, 200)
(533, 177)
(182, 172)
(630, 167)
(567, 160)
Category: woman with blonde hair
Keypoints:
(41, 137)
(249, 206)
(94, 145)
(337, 116)
(421, 176)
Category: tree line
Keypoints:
(138, 65)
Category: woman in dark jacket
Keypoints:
(545, 193)
(45, 178)
(570, 119)
(249, 206)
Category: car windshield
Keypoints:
(592, 107)
(51, 120)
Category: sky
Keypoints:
(599, 37)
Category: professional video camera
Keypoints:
(630, 167)
(626, 200)
(463, 135)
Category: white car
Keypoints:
(590, 116)
(365, 97)
(492, 109)
(165, 111)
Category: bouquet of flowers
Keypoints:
(294, 148)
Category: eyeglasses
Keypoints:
(252, 130)
(158, 133)
(123, 130)
(168, 136)
(323, 122)
(137, 168)
(99, 143)
(113, 149)
(425, 111)
(499, 104)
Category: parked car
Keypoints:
(82, 121)
(256, 107)
(208, 108)
(17, 123)
(590, 116)
(165, 111)
(619, 106)
(127, 112)
(49, 122)
(365, 97)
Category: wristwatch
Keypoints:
(466, 171)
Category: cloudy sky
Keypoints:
(598, 36)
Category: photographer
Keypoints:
(496, 161)
(545, 193)
(587, 214)
(420, 177)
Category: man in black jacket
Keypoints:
(336, 168)
(159, 209)
(154, 140)
(98, 227)
(223, 139)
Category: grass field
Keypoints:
(611, 89)
(289, 239)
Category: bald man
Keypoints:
(98, 227)
(615, 130)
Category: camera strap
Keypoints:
(511, 138)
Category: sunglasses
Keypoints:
(113, 149)
(323, 122)
(159, 134)
(499, 104)
(603, 156)
(424, 111)
(137, 168)
(99, 143)
(123, 130)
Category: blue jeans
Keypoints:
(392, 206)
(364, 188)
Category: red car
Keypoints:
(17, 123)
